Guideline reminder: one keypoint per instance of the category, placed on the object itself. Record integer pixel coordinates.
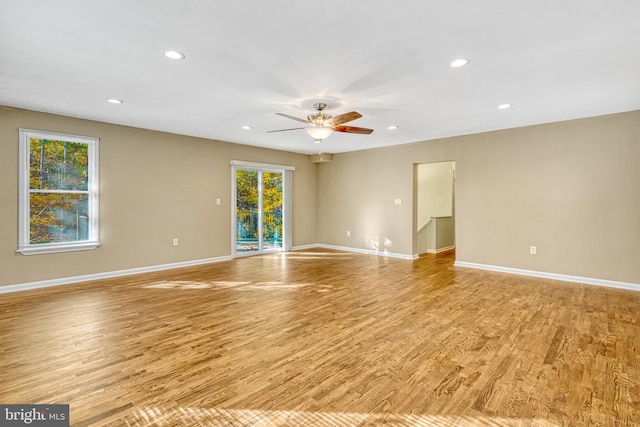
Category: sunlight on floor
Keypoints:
(240, 286)
(311, 255)
(274, 286)
(160, 417)
(190, 284)
(320, 254)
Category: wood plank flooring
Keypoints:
(325, 338)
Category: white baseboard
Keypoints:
(304, 247)
(107, 275)
(437, 251)
(553, 276)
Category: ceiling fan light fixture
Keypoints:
(174, 54)
(460, 62)
(319, 133)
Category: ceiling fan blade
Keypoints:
(294, 118)
(344, 118)
(352, 129)
(283, 130)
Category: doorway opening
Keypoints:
(435, 207)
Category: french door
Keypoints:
(260, 216)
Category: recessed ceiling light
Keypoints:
(115, 101)
(504, 106)
(459, 62)
(245, 127)
(174, 54)
(392, 127)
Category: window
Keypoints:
(58, 204)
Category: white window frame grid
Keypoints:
(24, 242)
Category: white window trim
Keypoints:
(24, 245)
(263, 166)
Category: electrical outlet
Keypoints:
(533, 250)
(175, 242)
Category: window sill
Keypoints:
(48, 249)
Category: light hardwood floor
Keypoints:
(325, 338)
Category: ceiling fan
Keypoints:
(321, 125)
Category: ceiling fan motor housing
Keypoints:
(319, 119)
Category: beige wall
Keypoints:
(571, 188)
(154, 186)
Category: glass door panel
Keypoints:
(247, 211)
(272, 210)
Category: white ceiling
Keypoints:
(248, 59)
